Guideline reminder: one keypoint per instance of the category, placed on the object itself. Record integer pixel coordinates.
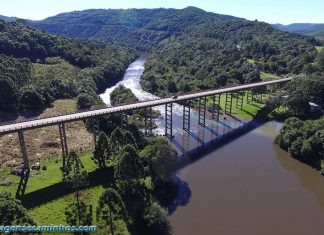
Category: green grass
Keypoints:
(46, 197)
(268, 76)
(248, 111)
(53, 212)
(250, 61)
(319, 48)
(56, 69)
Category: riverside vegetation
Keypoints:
(37, 68)
(124, 185)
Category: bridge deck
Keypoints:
(12, 128)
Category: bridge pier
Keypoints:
(249, 97)
(228, 103)
(260, 97)
(168, 120)
(124, 120)
(202, 103)
(239, 100)
(216, 107)
(186, 116)
(25, 170)
(23, 148)
(148, 122)
(64, 145)
(96, 129)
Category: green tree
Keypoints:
(122, 95)
(84, 101)
(8, 95)
(79, 214)
(30, 99)
(119, 138)
(110, 210)
(156, 220)
(298, 105)
(172, 88)
(76, 178)
(12, 212)
(129, 175)
(101, 152)
(130, 166)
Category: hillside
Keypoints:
(191, 49)
(37, 68)
(142, 28)
(316, 30)
(7, 18)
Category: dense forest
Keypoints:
(37, 68)
(304, 140)
(191, 49)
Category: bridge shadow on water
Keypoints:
(103, 177)
(189, 157)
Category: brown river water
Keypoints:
(250, 186)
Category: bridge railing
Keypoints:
(88, 110)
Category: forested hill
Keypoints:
(6, 18)
(140, 27)
(191, 49)
(316, 30)
(36, 67)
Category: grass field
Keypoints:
(46, 197)
(319, 48)
(250, 61)
(248, 111)
(268, 76)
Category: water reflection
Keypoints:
(250, 187)
(308, 177)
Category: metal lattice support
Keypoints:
(96, 129)
(228, 103)
(23, 148)
(168, 120)
(24, 176)
(216, 107)
(201, 137)
(186, 116)
(249, 97)
(260, 97)
(202, 111)
(124, 120)
(25, 170)
(186, 141)
(64, 145)
(239, 100)
(148, 121)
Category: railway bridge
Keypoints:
(243, 94)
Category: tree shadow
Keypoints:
(183, 195)
(45, 195)
(7, 117)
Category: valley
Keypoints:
(223, 145)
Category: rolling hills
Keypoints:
(37, 68)
(316, 30)
(191, 49)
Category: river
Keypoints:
(248, 186)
